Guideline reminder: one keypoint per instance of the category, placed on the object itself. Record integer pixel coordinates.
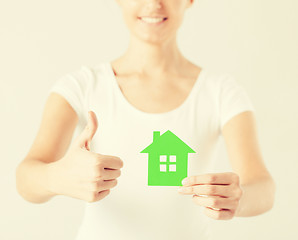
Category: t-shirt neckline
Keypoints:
(154, 115)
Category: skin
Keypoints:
(155, 67)
(152, 52)
(249, 190)
(153, 64)
(161, 78)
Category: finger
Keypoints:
(110, 174)
(221, 214)
(89, 131)
(94, 196)
(100, 185)
(211, 190)
(212, 178)
(107, 184)
(106, 174)
(111, 162)
(215, 202)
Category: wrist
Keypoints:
(51, 183)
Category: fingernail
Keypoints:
(184, 181)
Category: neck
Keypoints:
(153, 60)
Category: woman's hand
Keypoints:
(84, 174)
(221, 191)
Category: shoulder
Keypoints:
(85, 76)
(218, 81)
(219, 77)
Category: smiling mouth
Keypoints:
(152, 22)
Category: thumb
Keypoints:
(89, 131)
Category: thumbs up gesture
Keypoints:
(84, 174)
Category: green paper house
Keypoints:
(167, 159)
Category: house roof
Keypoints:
(167, 143)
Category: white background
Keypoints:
(254, 40)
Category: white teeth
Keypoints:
(152, 20)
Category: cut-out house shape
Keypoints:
(167, 159)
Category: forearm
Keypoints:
(257, 198)
(32, 181)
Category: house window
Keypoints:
(172, 158)
(172, 167)
(163, 167)
(163, 159)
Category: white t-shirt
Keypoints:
(134, 210)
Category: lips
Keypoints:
(154, 16)
(152, 23)
(142, 20)
(164, 18)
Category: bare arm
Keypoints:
(51, 143)
(240, 135)
(32, 181)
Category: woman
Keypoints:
(150, 90)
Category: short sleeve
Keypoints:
(73, 87)
(234, 99)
